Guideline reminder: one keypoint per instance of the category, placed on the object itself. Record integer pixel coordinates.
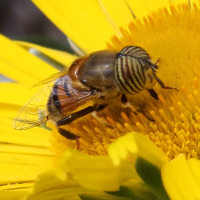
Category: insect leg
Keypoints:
(124, 99)
(67, 134)
(163, 86)
(101, 107)
(126, 103)
(157, 61)
(101, 121)
(98, 108)
(153, 93)
(71, 118)
(76, 115)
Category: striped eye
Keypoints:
(136, 52)
(129, 71)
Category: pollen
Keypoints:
(173, 121)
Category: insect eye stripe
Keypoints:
(136, 52)
(140, 53)
(134, 73)
(141, 72)
(129, 50)
(130, 84)
(119, 76)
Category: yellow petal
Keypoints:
(143, 8)
(9, 111)
(80, 20)
(16, 94)
(48, 187)
(14, 73)
(61, 57)
(138, 145)
(194, 165)
(34, 137)
(19, 65)
(117, 12)
(174, 2)
(180, 180)
(12, 195)
(94, 172)
(16, 173)
(24, 154)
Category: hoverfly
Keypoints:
(99, 77)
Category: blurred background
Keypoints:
(22, 20)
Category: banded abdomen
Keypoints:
(60, 96)
(65, 99)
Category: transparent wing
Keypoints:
(52, 78)
(34, 112)
(60, 99)
(58, 74)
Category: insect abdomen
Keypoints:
(60, 95)
(128, 71)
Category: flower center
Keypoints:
(173, 38)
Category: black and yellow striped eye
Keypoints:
(136, 52)
(129, 71)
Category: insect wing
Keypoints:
(34, 112)
(52, 78)
(60, 98)
(64, 98)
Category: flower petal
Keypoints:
(138, 145)
(94, 172)
(8, 110)
(33, 137)
(60, 56)
(21, 93)
(140, 9)
(117, 12)
(132, 189)
(12, 195)
(48, 187)
(21, 66)
(181, 179)
(79, 20)
(24, 154)
(194, 165)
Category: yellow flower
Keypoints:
(132, 167)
